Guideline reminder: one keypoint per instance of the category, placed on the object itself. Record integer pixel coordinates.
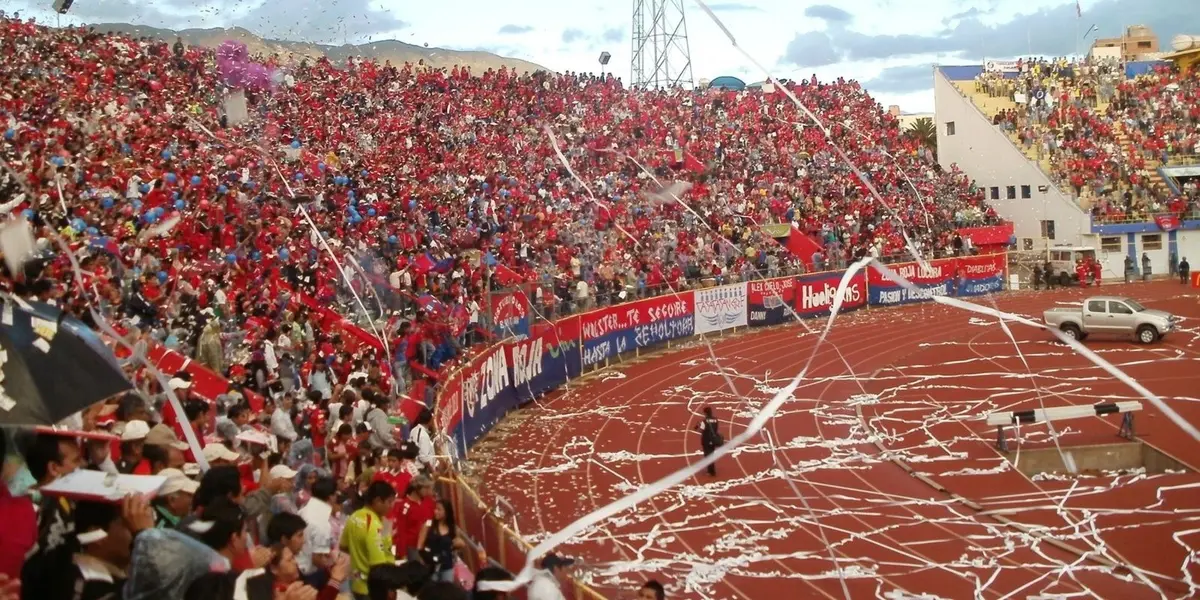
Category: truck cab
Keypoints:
(1114, 316)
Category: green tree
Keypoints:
(924, 131)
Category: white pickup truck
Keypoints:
(1110, 315)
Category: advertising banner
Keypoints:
(979, 275)
(767, 300)
(720, 308)
(815, 293)
(1001, 66)
(481, 394)
(610, 331)
(510, 314)
(935, 279)
(546, 359)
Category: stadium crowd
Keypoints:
(1103, 133)
(215, 233)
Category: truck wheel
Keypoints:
(1147, 334)
(1064, 280)
(1072, 331)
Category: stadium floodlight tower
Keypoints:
(661, 56)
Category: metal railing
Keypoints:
(499, 542)
(1192, 215)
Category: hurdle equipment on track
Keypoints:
(1010, 418)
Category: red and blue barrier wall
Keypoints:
(513, 372)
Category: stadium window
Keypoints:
(1011, 192)
(995, 193)
(949, 127)
(1048, 229)
(1026, 192)
(1151, 241)
(1110, 244)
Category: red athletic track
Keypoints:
(746, 533)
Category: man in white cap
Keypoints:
(273, 496)
(219, 454)
(133, 440)
(174, 499)
(162, 450)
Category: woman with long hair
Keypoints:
(438, 541)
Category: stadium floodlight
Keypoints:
(62, 6)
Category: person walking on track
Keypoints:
(710, 436)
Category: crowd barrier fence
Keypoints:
(503, 377)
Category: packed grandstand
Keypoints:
(307, 275)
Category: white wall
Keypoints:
(985, 153)
(1159, 259)
(1112, 262)
(1189, 248)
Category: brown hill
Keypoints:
(395, 51)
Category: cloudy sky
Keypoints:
(890, 45)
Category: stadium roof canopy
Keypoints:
(728, 82)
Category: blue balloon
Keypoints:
(195, 180)
(166, 154)
(321, 166)
(78, 225)
(170, 177)
(10, 134)
(231, 257)
(144, 188)
(151, 217)
(106, 203)
(487, 186)
(221, 189)
(365, 173)
(355, 220)
(284, 254)
(393, 239)
(299, 176)
(93, 231)
(412, 204)
(158, 210)
(255, 255)
(57, 161)
(295, 144)
(162, 276)
(370, 212)
(180, 204)
(126, 149)
(137, 205)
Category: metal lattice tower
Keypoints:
(661, 56)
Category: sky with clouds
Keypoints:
(890, 45)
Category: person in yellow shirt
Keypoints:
(366, 537)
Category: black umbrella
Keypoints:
(52, 366)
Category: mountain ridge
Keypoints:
(289, 51)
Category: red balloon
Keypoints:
(187, 153)
(204, 205)
(156, 85)
(230, 160)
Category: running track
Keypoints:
(899, 384)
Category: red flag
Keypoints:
(1167, 222)
(423, 264)
(506, 276)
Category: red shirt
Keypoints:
(20, 532)
(247, 472)
(410, 516)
